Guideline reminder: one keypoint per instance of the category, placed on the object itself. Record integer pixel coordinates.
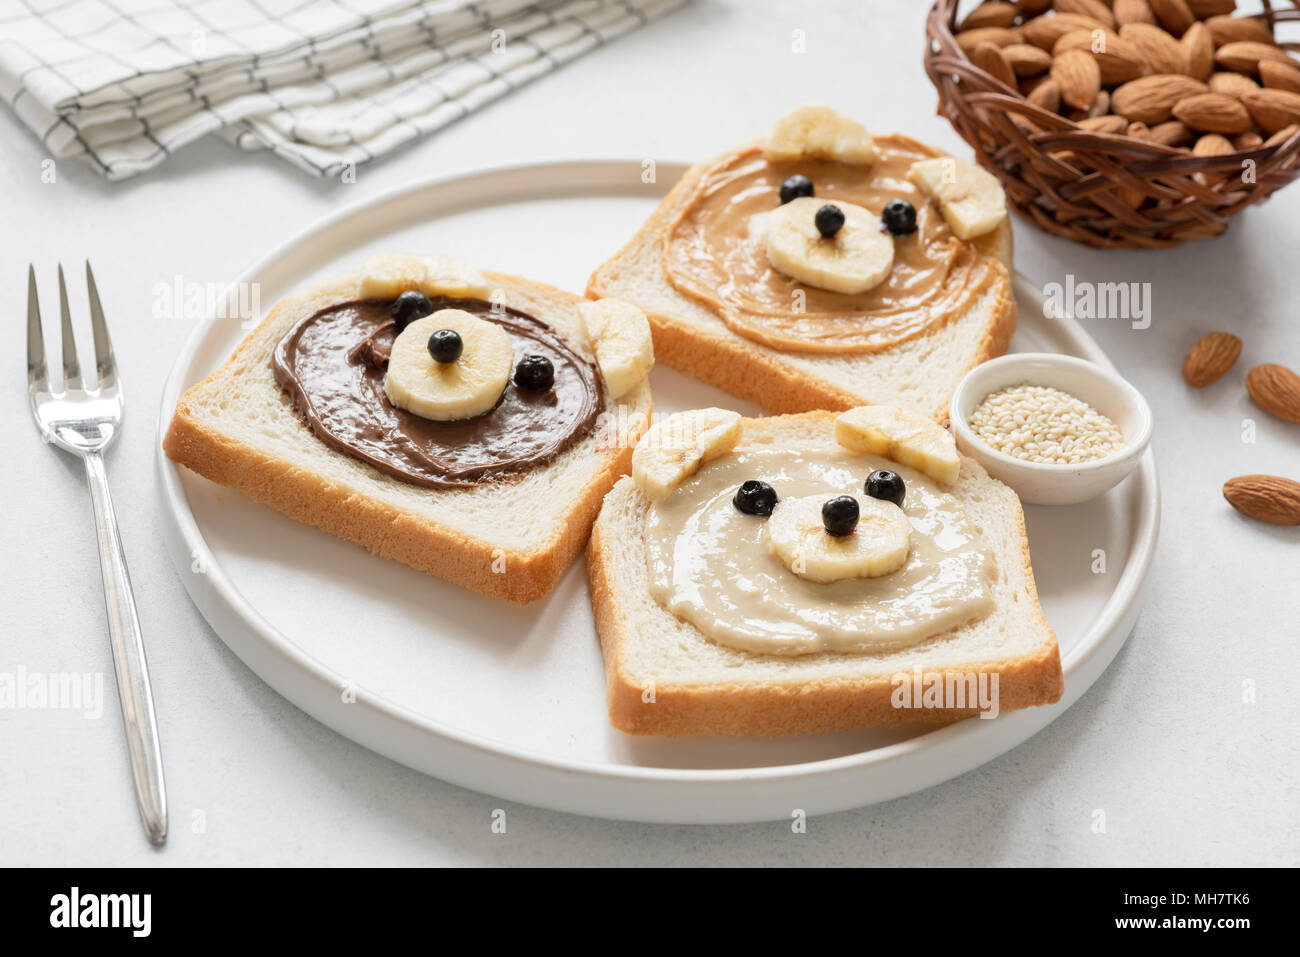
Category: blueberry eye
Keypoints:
(794, 187)
(755, 498)
(408, 307)
(899, 217)
(535, 374)
(887, 486)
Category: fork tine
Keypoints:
(38, 379)
(105, 365)
(71, 368)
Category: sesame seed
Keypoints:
(1041, 424)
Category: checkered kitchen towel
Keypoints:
(323, 83)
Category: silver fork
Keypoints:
(85, 421)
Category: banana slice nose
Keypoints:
(857, 258)
(878, 545)
(449, 391)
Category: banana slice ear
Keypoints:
(818, 132)
(388, 275)
(906, 437)
(970, 198)
(620, 337)
(675, 447)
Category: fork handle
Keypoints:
(128, 659)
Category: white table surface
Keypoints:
(1183, 768)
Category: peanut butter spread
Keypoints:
(708, 566)
(715, 253)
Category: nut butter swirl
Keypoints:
(331, 364)
(715, 253)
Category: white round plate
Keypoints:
(511, 700)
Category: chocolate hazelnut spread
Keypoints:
(715, 253)
(332, 363)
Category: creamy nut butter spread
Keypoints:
(715, 253)
(331, 364)
(709, 565)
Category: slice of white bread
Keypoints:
(511, 539)
(700, 687)
(919, 374)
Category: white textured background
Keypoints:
(1185, 771)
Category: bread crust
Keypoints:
(779, 707)
(731, 362)
(381, 527)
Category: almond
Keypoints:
(1078, 76)
(1226, 30)
(992, 13)
(1046, 96)
(1115, 125)
(1026, 59)
(1139, 131)
(968, 40)
(1279, 76)
(1282, 135)
(1032, 8)
(1157, 51)
(1276, 390)
(1174, 15)
(1045, 31)
(1133, 11)
(1213, 113)
(1244, 56)
(1170, 133)
(1268, 498)
(1247, 141)
(1198, 51)
(1273, 110)
(989, 59)
(1101, 106)
(1211, 8)
(1233, 84)
(1209, 358)
(1151, 99)
(1089, 8)
(1118, 60)
(1212, 144)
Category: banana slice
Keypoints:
(856, 258)
(620, 336)
(970, 198)
(906, 437)
(818, 132)
(449, 391)
(879, 545)
(674, 448)
(388, 275)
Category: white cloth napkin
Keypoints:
(326, 84)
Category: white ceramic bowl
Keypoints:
(1038, 483)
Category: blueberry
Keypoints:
(445, 345)
(840, 515)
(899, 217)
(408, 307)
(755, 498)
(535, 373)
(887, 486)
(829, 220)
(794, 187)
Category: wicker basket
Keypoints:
(1107, 190)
